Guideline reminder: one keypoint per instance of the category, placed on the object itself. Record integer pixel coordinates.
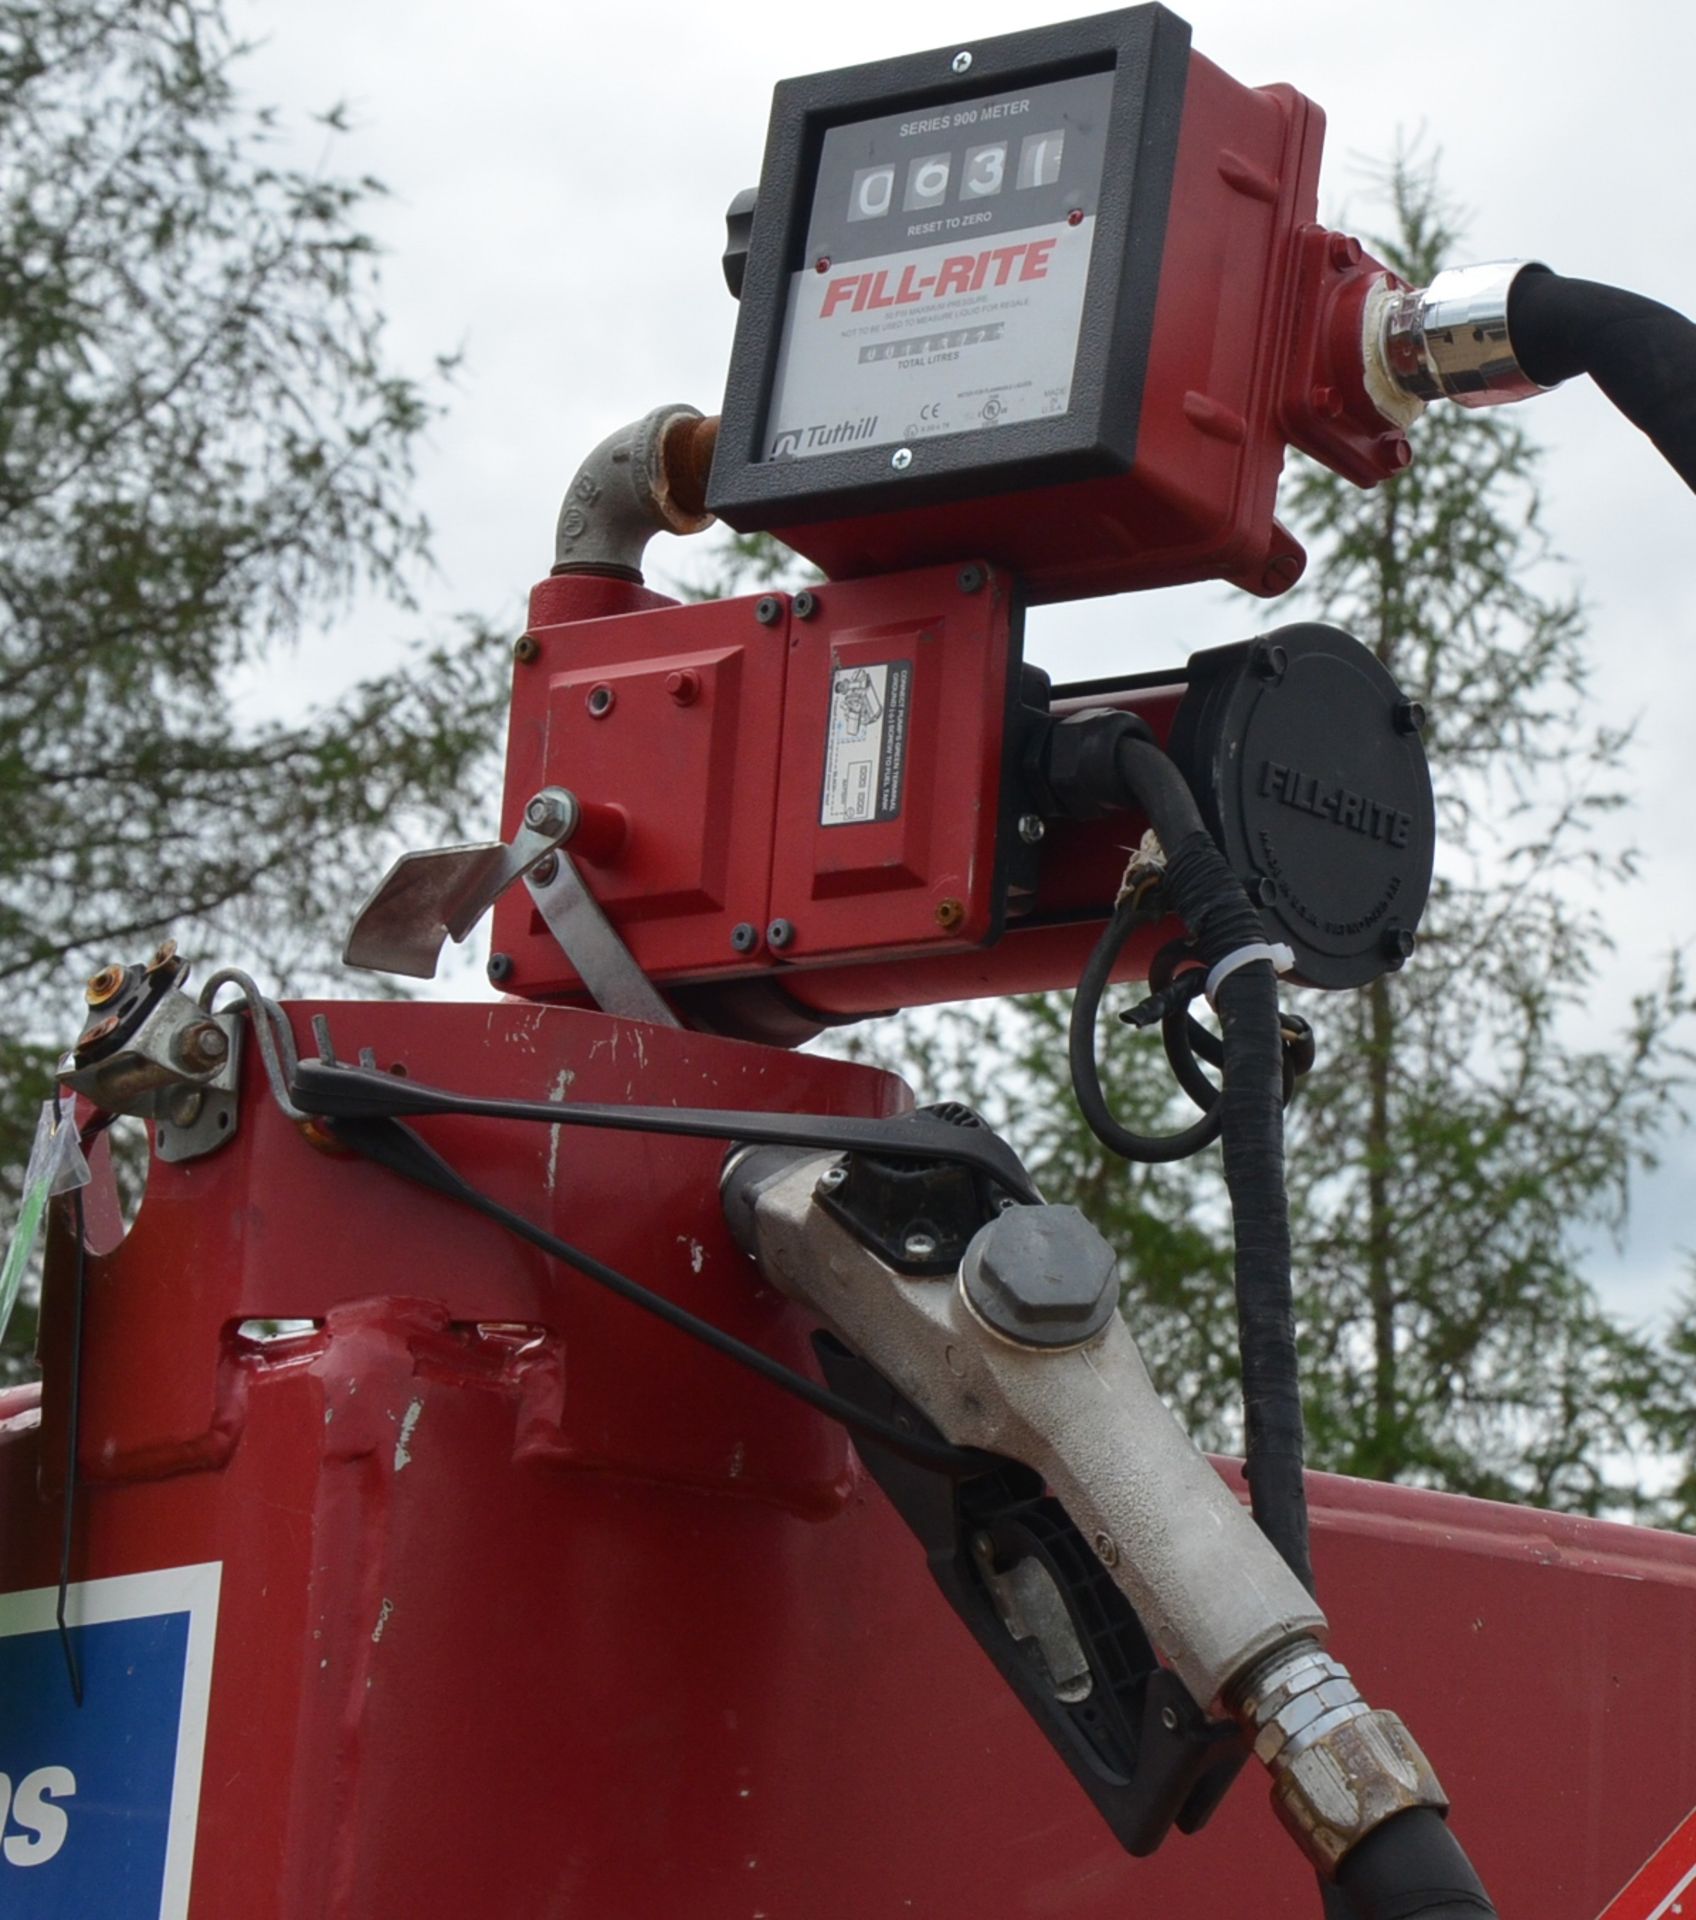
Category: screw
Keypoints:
(1395, 451)
(901, 459)
(779, 934)
(184, 1105)
(500, 967)
(1169, 1719)
(822, 263)
(744, 937)
(920, 1246)
(684, 686)
(205, 1044)
(805, 604)
(1343, 250)
(1031, 828)
(104, 985)
(1327, 402)
(91, 1036)
(546, 870)
(524, 650)
(163, 955)
(545, 813)
(1270, 662)
(1396, 943)
(949, 914)
(1106, 1549)
(768, 610)
(831, 1179)
(962, 62)
(1265, 889)
(1409, 717)
(1282, 573)
(600, 702)
(970, 579)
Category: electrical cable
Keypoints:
(396, 1147)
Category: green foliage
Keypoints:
(1470, 1122)
(204, 453)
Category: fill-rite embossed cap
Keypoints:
(1306, 760)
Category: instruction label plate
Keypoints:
(865, 753)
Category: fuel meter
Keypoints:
(1052, 297)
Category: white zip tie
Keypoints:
(1281, 957)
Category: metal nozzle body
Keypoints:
(1449, 341)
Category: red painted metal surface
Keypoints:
(532, 1608)
(1251, 350)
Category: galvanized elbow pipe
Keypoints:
(646, 478)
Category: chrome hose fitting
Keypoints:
(1449, 341)
(1339, 1767)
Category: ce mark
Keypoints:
(932, 413)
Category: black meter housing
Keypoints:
(951, 278)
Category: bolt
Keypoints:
(822, 263)
(1281, 573)
(163, 955)
(949, 914)
(184, 1105)
(768, 610)
(524, 650)
(1270, 662)
(500, 967)
(1031, 828)
(203, 1045)
(684, 686)
(1075, 218)
(1395, 451)
(805, 604)
(901, 459)
(1396, 943)
(1265, 890)
(744, 936)
(547, 813)
(1169, 1719)
(1343, 251)
(1106, 1549)
(91, 1036)
(546, 870)
(600, 702)
(831, 1179)
(1409, 717)
(970, 579)
(920, 1246)
(104, 985)
(780, 934)
(962, 62)
(1327, 402)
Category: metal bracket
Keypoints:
(426, 898)
(589, 941)
(161, 1056)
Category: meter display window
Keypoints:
(944, 271)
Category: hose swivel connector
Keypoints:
(1448, 341)
(1339, 1768)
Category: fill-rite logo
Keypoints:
(959, 273)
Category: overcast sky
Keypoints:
(559, 175)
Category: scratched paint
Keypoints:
(403, 1440)
(562, 1080)
(383, 1614)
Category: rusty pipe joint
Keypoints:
(1339, 1768)
(647, 478)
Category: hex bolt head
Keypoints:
(901, 459)
(1408, 717)
(768, 610)
(1265, 890)
(744, 936)
(1041, 1277)
(1396, 944)
(203, 1045)
(684, 686)
(805, 604)
(500, 967)
(1032, 827)
(780, 934)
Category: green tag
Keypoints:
(55, 1166)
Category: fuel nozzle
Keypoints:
(1447, 341)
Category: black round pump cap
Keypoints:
(1305, 758)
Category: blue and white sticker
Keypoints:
(99, 1803)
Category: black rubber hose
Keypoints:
(1412, 1868)
(1641, 354)
(1213, 903)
